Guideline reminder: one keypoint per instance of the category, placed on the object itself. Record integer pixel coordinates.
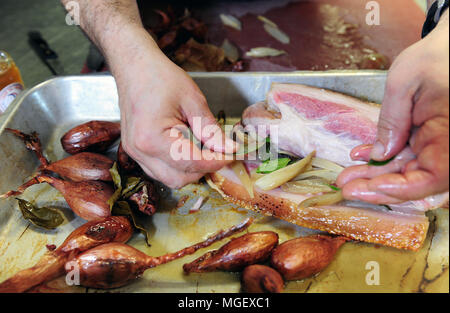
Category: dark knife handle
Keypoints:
(41, 47)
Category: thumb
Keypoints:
(395, 120)
(205, 127)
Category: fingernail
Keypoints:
(378, 151)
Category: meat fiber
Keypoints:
(309, 119)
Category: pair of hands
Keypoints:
(414, 121)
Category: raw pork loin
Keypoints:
(316, 119)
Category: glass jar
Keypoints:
(11, 83)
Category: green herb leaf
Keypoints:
(45, 217)
(334, 187)
(132, 185)
(270, 166)
(380, 163)
(117, 183)
(124, 208)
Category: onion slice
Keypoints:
(231, 21)
(265, 20)
(277, 33)
(240, 171)
(326, 164)
(231, 52)
(312, 186)
(325, 199)
(261, 52)
(278, 178)
(328, 175)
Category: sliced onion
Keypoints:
(328, 175)
(248, 143)
(240, 171)
(277, 33)
(261, 52)
(326, 164)
(265, 20)
(325, 199)
(304, 187)
(197, 205)
(278, 178)
(231, 52)
(231, 21)
(255, 176)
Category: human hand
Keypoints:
(414, 121)
(157, 98)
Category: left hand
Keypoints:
(414, 117)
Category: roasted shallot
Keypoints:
(114, 265)
(240, 252)
(303, 257)
(93, 136)
(261, 279)
(51, 265)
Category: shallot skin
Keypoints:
(126, 163)
(110, 229)
(51, 265)
(82, 167)
(146, 199)
(93, 136)
(261, 279)
(303, 257)
(240, 252)
(88, 199)
(111, 266)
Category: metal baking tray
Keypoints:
(56, 105)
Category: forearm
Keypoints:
(101, 19)
(115, 27)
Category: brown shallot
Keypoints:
(126, 163)
(93, 136)
(114, 265)
(88, 199)
(306, 256)
(85, 237)
(240, 252)
(79, 167)
(261, 279)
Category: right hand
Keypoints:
(156, 96)
(413, 126)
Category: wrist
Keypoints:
(129, 48)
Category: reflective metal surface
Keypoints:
(55, 106)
